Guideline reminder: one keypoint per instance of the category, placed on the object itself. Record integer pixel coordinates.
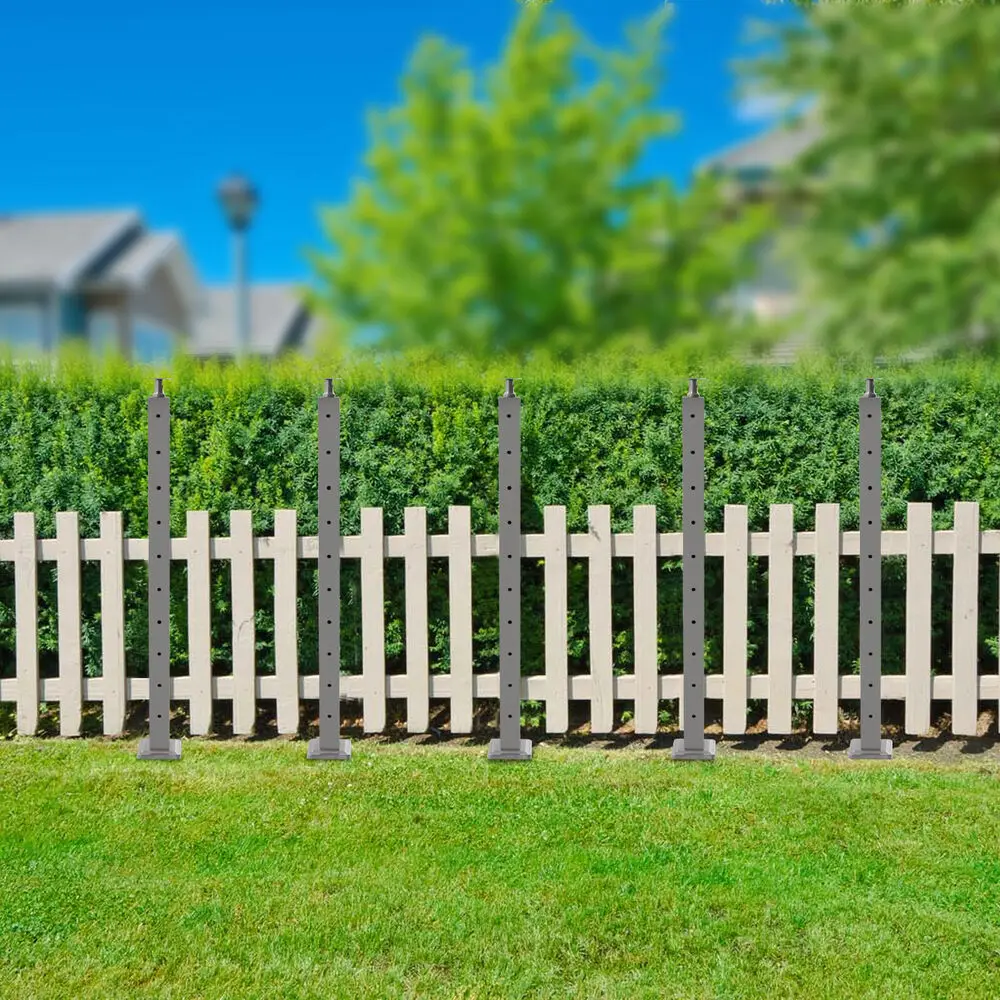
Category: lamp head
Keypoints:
(239, 200)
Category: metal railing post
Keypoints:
(871, 746)
(693, 745)
(329, 745)
(509, 746)
(158, 745)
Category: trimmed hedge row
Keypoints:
(418, 431)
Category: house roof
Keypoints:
(56, 248)
(138, 261)
(278, 319)
(773, 149)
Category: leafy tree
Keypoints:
(508, 214)
(899, 237)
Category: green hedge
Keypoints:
(419, 431)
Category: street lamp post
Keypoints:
(239, 201)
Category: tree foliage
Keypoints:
(509, 212)
(899, 242)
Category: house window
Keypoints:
(22, 326)
(152, 343)
(103, 331)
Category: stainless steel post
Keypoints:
(158, 745)
(510, 746)
(328, 745)
(693, 745)
(871, 746)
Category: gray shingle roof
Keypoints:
(776, 148)
(275, 311)
(54, 248)
(139, 258)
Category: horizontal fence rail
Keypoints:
(826, 687)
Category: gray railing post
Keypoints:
(693, 745)
(158, 745)
(509, 746)
(328, 745)
(871, 746)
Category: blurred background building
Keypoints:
(105, 278)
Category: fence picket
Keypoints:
(286, 649)
(826, 633)
(919, 548)
(555, 544)
(244, 630)
(373, 618)
(113, 622)
(644, 589)
(68, 597)
(199, 590)
(26, 622)
(734, 626)
(602, 703)
(779, 617)
(965, 621)
(417, 668)
(460, 616)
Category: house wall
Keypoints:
(143, 325)
(161, 318)
(72, 317)
(772, 292)
(24, 322)
(159, 304)
(108, 321)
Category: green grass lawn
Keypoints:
(245, 871)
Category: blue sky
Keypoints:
(115, 104)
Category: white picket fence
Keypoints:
(826, 687)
